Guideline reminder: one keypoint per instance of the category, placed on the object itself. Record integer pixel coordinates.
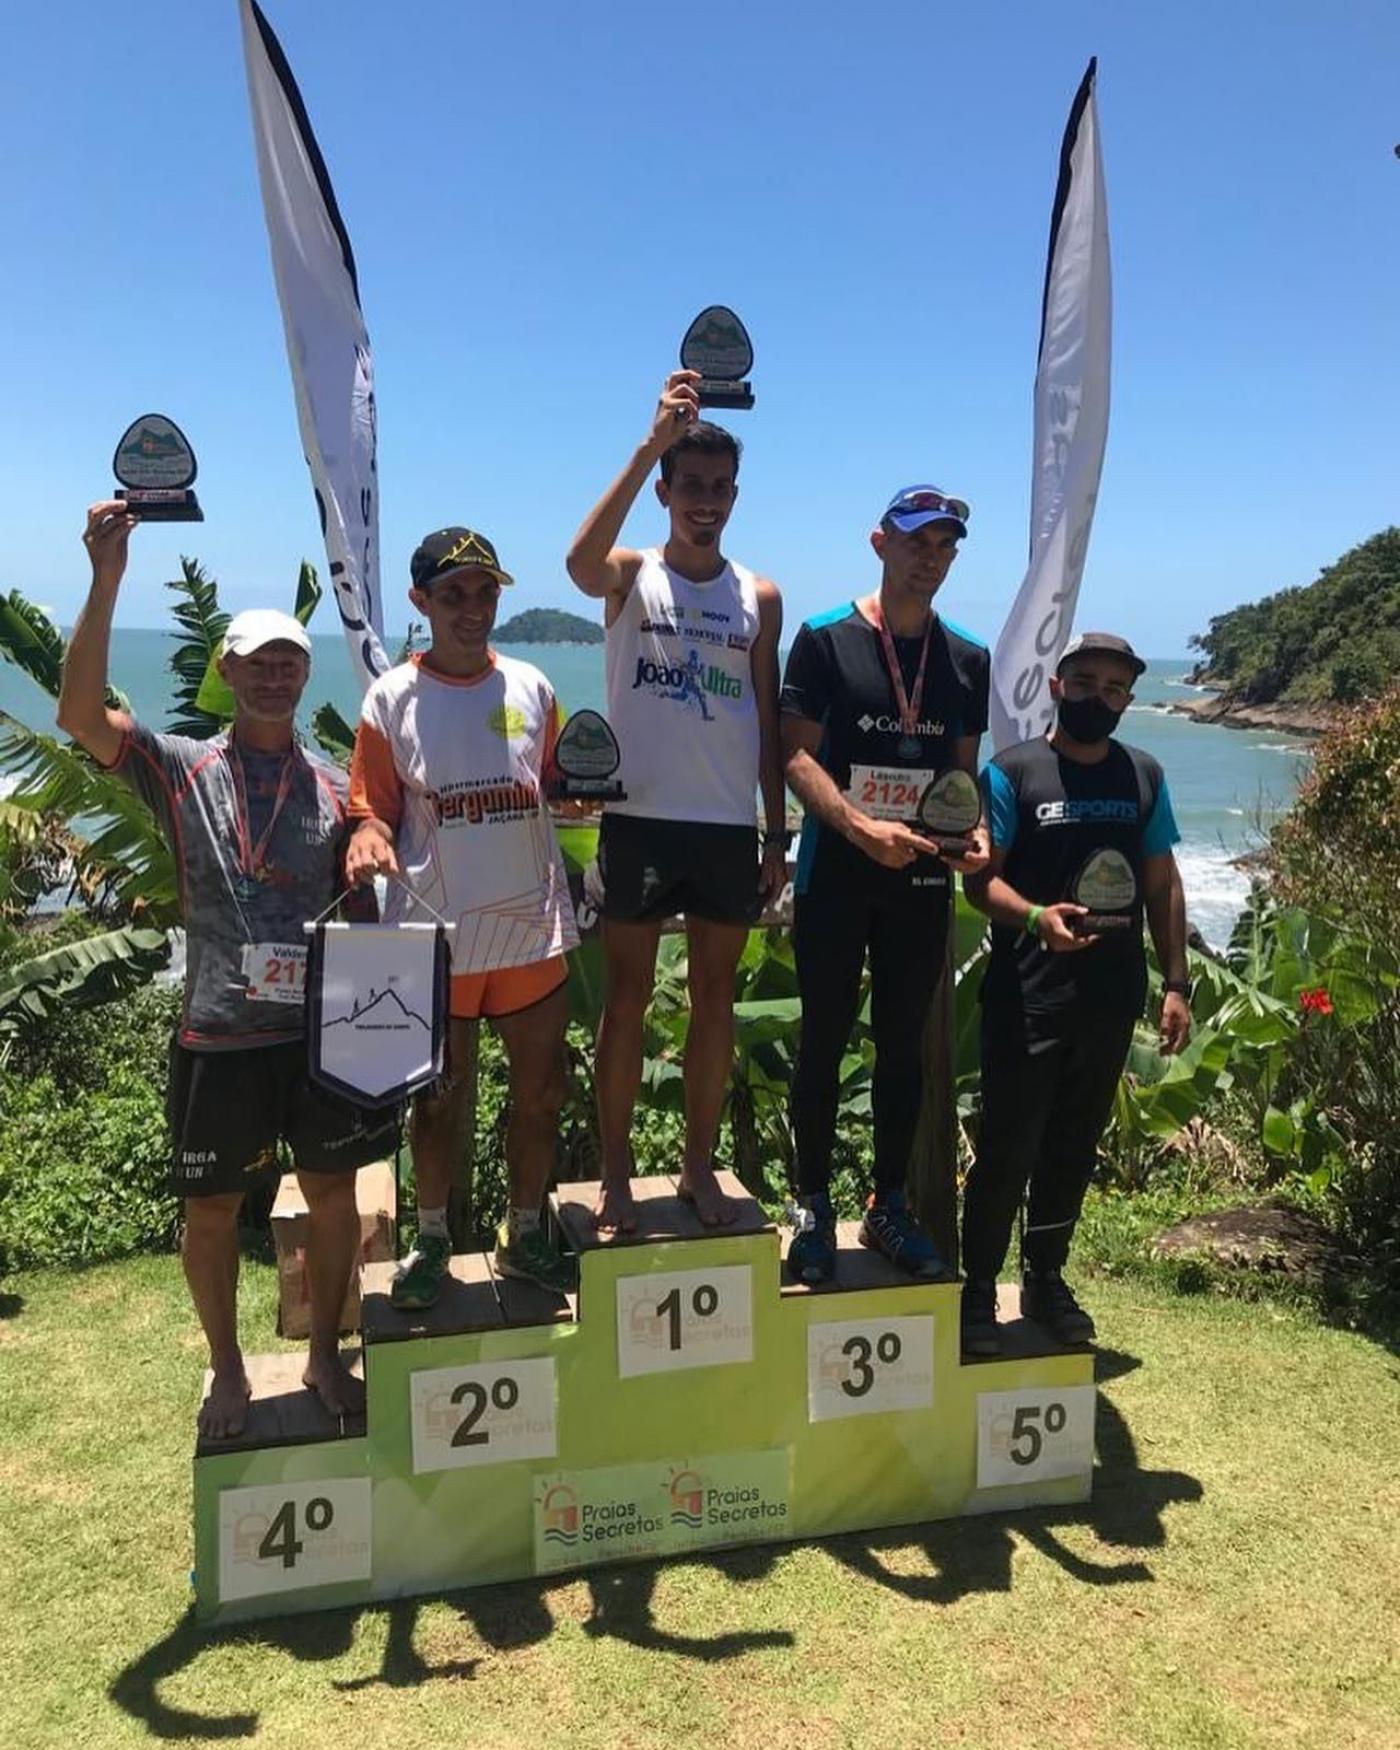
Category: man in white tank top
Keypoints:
(692, 666)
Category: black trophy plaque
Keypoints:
(950, 810)
(718, 346)
(586, 756)
(156, 467)
(1107, 886)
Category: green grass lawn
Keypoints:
(1235, 1580)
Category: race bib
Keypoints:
(889, 792)
(276, 972)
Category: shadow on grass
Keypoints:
(504, 1617)
(11, 1305)
(974, 1555)
(967, 1556)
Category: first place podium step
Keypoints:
(683, 1398)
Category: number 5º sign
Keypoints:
(684, 1318)
(1034, 1435)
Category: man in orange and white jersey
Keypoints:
(447, 787)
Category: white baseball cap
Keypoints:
(253, 628)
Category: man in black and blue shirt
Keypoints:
(880, 697)
(1082, 833)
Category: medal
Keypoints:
(909, 747)
(252, 857)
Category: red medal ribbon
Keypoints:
(908, 704)
(250, 855)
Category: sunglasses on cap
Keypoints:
(924, 499)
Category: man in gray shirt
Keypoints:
(258, 830)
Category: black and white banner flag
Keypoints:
(327, 346)
(1071, 429)
(376, 1009)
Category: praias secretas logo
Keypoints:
(687, 1491)
(693, 682)
(559, 1515)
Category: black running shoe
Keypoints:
(1048, 1299)
(980, 1335)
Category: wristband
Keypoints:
(1180, 987)
(777, 836)
(1032, 919)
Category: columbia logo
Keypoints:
(867, 723)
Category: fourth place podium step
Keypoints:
(685, 1398)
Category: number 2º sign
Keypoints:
(1034, 1435)
(488, 1412)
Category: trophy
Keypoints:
(949, 811)
(585, 757)
(156, 467)
(1107, 886)
(718, 346)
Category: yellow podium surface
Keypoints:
(685, 1398)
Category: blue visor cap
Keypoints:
(914, 506)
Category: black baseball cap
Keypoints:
(1101, 644)
(453, 549)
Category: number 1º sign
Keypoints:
(684, 1318)
(487, 1412)
(282, 1537)
(1034, 1435)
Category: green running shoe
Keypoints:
(534, 1257)
(419, 1278)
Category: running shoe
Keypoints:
(1048, 1299)
(419, 1278)
(812, 1254)
(978, 1318)
(533, 1257)
(889, 1227)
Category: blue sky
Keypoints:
(542, 196)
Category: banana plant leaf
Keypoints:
(79, 975)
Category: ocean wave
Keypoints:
(1290, 747)
(1216, 891)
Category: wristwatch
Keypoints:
(1181, 987)
(777, 835)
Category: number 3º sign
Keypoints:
(485, 1413)
(1034, 1435)
(857, 1367)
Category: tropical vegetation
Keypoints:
(549, 626)
(1286, 1089)
(1335, 640)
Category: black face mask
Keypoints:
(1087, 720)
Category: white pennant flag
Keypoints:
(327, 346)
(1071, 429)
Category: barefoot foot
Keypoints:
(332, 1381)
(222, 1414)
(615, 1212)
(699, 1187)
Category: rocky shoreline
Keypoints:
(1284, 718)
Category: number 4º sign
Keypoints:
(284, 1537)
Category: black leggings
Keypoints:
(905, 930)
(1044, 1106)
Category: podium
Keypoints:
(685, 1398)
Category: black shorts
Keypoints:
(654, 869)
(227, 1111)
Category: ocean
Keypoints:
(1226, 784)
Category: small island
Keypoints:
(548, 626)
(1295, 660)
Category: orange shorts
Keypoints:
(506, 990)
